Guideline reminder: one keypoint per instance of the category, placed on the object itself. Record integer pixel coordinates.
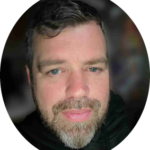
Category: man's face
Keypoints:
(71, 81)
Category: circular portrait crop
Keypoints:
(74, 75)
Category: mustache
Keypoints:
(76, 103)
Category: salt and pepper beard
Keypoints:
(73, 134)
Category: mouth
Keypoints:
(77, 115)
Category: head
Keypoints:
(67, 68)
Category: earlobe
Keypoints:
(28, 74)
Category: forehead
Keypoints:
(80, 42)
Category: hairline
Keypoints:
(47, 36)
(35, 33)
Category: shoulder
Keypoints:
(119, 112)
(31, 123)
(29, 128)
(120, 120)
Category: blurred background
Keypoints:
(129, 65)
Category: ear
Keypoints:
(28, 74)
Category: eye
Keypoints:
(93, 69)
(54, 71)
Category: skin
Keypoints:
(79, 55)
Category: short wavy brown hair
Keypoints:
(52, 16)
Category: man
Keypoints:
(67, 69)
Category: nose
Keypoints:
(77, 86)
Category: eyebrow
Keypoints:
(46, 63)
(96, 61)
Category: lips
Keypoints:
(75, 115)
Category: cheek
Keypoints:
(48, 93)
(100, 88)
